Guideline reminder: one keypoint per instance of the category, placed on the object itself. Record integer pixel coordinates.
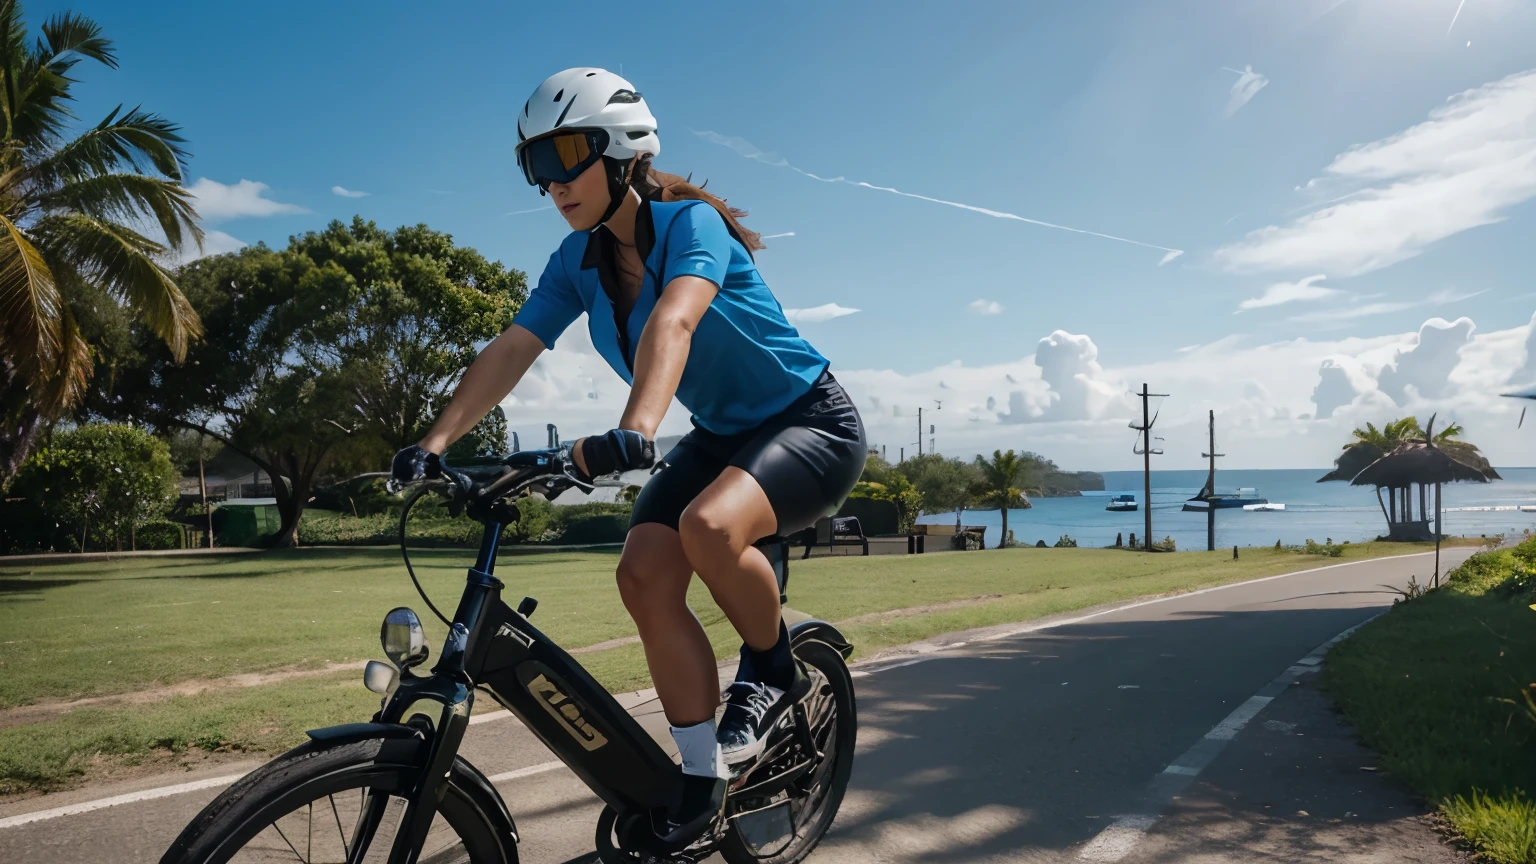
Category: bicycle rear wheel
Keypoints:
(784, 827)
(340, 804)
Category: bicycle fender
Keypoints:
(351, 733)
(813, 630)
(477, 787)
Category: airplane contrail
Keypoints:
(1454, 17)
(748, 150)
(526, 212)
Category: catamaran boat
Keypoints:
(1122, 504)
(1244, 497)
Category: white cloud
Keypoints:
(1247, 85)
(1527, 371)
(1423, 371)
(1338, 317)
(1334, 388)
(216, 202)
(1472, 160)
(985, 307)
(1290, 292)
(818, 314)
(214, 243)
(348, 193)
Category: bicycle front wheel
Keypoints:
(340, 804)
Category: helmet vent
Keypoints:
(525, 108)
(567, 110)
(558, 95)
(625, 97)
(590, 74)
(636, 136)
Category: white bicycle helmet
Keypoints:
(592, 101)
(588, 98)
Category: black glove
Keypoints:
(617, 450)
(413, 463)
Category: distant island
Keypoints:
(1066, 484)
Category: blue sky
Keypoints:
(1113, 117)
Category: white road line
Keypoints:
(488, 717)
(1227, 729)
(525, 772)
(129, 798)
(1121, 837)
(1117, 841)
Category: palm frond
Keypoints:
(71, 375)
(31, 307)
(68, 33)
(123, 261)
(129, 198)
(13, 53)
(136, 140)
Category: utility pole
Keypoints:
(919, 431)
(1147, 453)
(1210, 491)
(554, 434)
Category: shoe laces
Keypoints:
(755, 698)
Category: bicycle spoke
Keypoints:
(279, 829)
(339, 833)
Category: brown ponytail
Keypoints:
(656, 185)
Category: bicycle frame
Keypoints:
(494, 647)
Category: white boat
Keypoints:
(1265, 507)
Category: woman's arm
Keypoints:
(490, 378)
(663, 351)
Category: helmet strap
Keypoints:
(618, 185)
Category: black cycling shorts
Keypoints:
(807, 459)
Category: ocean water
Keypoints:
(1315, 511)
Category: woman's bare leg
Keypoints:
(717, 532)
(653, 578)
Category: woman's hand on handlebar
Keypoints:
(616, 451)
(415, 463)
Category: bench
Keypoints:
(949, 531)
(832, 531)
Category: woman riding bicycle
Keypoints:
(677, 307)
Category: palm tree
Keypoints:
(72, 213)
(1370, 445)
(1003, 478)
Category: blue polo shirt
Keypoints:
(747, 362)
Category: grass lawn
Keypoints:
(127, 625)
(1439, 687)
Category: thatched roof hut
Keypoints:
(1423, 463)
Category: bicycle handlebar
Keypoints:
(503, 475)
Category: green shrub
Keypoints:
(1167, 544)
(1066, 542)
(1328, 549)
(159, 535)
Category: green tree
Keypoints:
(71, 212)
(333, 350)
(945, 484)
(100, 482)
(894, 487)
(1003, 478)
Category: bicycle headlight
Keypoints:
(401, 635)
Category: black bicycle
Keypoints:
(395, 789)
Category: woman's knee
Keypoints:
(708, 533)
(653, 572)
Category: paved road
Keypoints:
(1026, 746)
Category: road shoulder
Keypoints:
(1297, 786)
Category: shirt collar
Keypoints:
(601, 243)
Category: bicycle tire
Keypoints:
(313, 772)
(734, 847)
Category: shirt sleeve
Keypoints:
(552, 305)
(698, 244)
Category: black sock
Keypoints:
(774, 667)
